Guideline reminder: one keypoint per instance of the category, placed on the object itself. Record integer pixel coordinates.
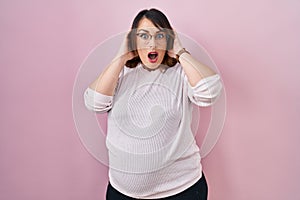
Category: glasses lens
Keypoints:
(146, 37)
(160, 36)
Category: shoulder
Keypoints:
(127, 71)
(177, 70)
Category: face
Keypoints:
(151, 44)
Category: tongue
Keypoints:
(152, 56)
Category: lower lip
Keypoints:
(153, 60)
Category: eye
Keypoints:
(144, 36)
(160, 36)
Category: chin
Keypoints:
(151, 66)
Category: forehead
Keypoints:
(146, 24)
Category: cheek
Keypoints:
(161, 51)
(138, 46)
(140, 49)
(142, 53)
(161, 55)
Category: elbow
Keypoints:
(97, 109)
(205, 101)
(96, 102)
(207, 96)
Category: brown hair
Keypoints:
(161, 22)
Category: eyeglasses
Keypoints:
(146, 37)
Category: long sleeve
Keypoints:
(97, 102)
(206, 91)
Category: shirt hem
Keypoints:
(161, 194)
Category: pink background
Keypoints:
(255, 45)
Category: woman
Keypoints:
(148, 90)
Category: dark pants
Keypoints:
(198, 191)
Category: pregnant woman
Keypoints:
(148, 90)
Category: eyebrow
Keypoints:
(149, 31)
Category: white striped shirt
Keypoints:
(152, 150)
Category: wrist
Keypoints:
(182, 51)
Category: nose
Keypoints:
(152, 42)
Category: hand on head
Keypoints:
(177, 46)
(124, 54)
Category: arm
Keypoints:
(193, 69)
(108, 79)
(204, 85)
(99, 95)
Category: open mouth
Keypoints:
(153, 56)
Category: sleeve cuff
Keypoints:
(206, 91)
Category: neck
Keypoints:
(150, 69)
(160, 67)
